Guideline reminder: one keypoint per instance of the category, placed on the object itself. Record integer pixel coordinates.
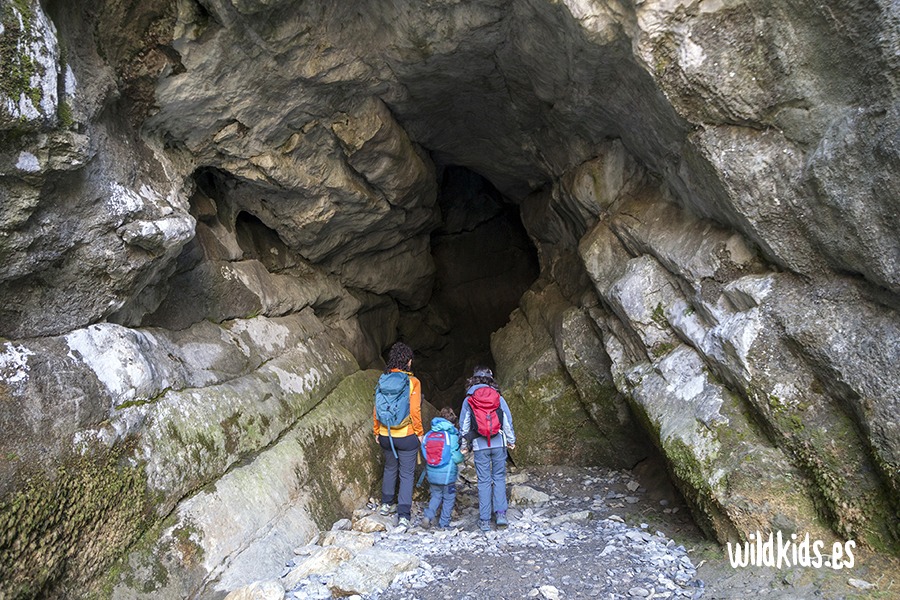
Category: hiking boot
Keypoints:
(501, 518)
(426, 523)
(385, 510)
(484, 525)
(403, 522)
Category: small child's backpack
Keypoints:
(392, 400)
(438, 453)
(437, 448)
(485, 403)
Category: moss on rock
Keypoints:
(315, 473)
(333, 465)
(551, 425)
(70, 525)
(19, 68)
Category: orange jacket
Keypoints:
(412, 425)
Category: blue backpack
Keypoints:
(392, 401)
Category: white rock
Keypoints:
(354, 541)
(549, 592)
(861, 584)
(575, 517)
(370, 570)
(259, 590)
(325, 560)
(558, 538)
(517, 478)
(369, 524)
(522, 494)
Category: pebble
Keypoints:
(549, 592)
(860, 584)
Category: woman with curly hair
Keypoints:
(401, 436)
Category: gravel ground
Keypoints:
(600, 534)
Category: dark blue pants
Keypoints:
(402, 467)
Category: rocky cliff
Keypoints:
(679, 219)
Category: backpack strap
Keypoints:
(449, 464)
(391, 439)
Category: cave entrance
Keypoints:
(484, 262)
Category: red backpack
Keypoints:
(485, 404)
(437, 448)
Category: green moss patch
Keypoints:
(69, 525)
(826, 445)
(330, 471)
(552, 427)
(18, 69)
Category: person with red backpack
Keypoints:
(441, 450)
(398, 430)
(486, 425)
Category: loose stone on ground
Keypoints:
(572, 534)
(563, 541)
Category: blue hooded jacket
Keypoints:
(447, 473)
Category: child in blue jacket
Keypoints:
(442, 479)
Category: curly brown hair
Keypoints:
(398, 357)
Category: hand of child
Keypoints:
(511, 446)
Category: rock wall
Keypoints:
(215, 213)
(763, 427)
(240, 529)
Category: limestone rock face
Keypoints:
(695, 294)
(240, 529)
(706, 339)
(564, 404)
(214, 214)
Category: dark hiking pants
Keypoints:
(403, 466)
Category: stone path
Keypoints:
(573, 533)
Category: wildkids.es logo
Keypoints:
(776, 551)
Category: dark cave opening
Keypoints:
(484, 262)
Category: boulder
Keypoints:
(370, 571)
(524, 495)
(351, 540)
(320, 562)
